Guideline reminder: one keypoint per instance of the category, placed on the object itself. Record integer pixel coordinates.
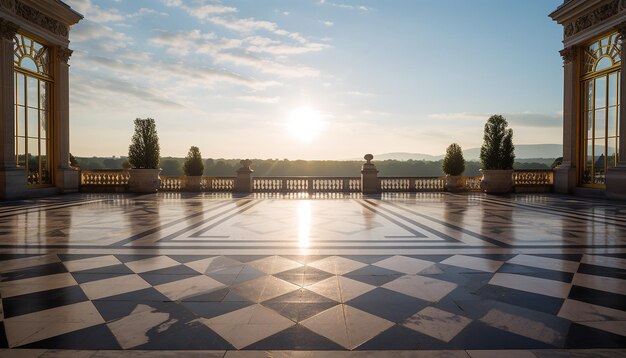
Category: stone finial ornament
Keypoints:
(369, 158)
(245, 164)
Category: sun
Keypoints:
(305, 124)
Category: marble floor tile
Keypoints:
(340, 289)
(523, 326)
(346, 326)
(602, 283)
(531, 284)
(606, 261)
(151, 264)
(263, 288)
(437, 323)
(36, 284)
(189, 287)
(132, 330)
(91, 263)
(40, 325)
(425, 288)
(113, 286)
(212, 264)
(337, 265)
(247, 325)
(474, 263)
(26, 262)
(545, 263)
(617, 327)
(404, 264)
(578, 311)
(274, 264)
(501, 354)
(162, 354)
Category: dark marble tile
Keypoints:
(91, 338)
(3, 338)
(246, 258)
(533, 301)
(132, 257)
(157, 279)
(113, 269)
(184, 335)
(295, 338)
(214, 296)
(234, 297)
(146, 294)
(174, 270)
(432, 258)
(537, 272)
(597, 297)
(235, 275)
(73, 257)
(4, 257)
(298, 311)
(401, 338)
(89, 277)
(304, 259)
(183, 259)
(470, 280)
(388, 304)
(304, 275)
(36, 271)
(301, 296)
(213, 309)
(495, 257)
(39, 301)
(567, 257)
(367, 259)
(583, 337)
(374, 275)
(478, 335)
(602, 271)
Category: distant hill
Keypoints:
(522, 151)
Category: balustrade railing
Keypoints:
(104, 179)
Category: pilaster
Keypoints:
(243, 181)
(66, 178)
(369, 176)
(616, 177)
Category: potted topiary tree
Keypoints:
(143, 156)
(497, 156)
(193, 169)
(453, 166)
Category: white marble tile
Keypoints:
(36, 284)
(40, 325)
(540, 286)
(578, 311)
(189, 287)
(26, 262)
(425, 288)
(264, 288)
(602, 283)
(522, 326)
(545, 263)
(151, 264)
(337, 265)
(247, 325)
(605, 261)
(212, 264)
(437, 323)
(161, 354)
(113, 286)
(501, 354)
(340, 289)
(474, 263)
(617, 327)
(132, 330)
(91, 263)
(274, 264)
(346, 325)
(404, 264)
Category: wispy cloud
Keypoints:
(360, 8)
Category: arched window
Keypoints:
(33, 87)
(600, 71)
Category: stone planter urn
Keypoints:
(496, 181)
(143, 181)
(454, 183)
(192, 183)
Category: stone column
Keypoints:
(616, 177)
(369, 176)
(12, 178)
(565, 174)
(66, 178)
(243, 182)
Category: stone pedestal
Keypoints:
(564, 179)
(243, 182)
(616, 182)
(12, 183)
(68, 180)
(369, 177)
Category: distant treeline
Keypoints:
(275, 167)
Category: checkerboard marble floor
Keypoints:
(467, 275)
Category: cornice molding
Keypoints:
(8, 29)
(37, 14)
(593, 16)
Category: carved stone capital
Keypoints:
(63, 54)
(8, 29)
(569, 54)
(621, 29)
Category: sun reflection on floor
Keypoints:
(304, 224)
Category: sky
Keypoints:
(312, 79)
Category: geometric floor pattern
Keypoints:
(209, 273)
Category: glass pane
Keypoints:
(613, 89)
(599, 161)
(43, 95)
(588, 163)
(28, 64)
(21, 151)
(21, 121)
(600, 92)
(611, 152)
(43, 122)
(20, 89)
(589, 94)
(599, 123)
(589, 124)
(33, 123)
(604, 62)
(33, 161)
(32, 92)
(611, 121)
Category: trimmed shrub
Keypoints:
(453, 163)
(497, 151)
(143, 152)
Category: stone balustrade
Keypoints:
(306, 184)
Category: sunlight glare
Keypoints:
(305, 124)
